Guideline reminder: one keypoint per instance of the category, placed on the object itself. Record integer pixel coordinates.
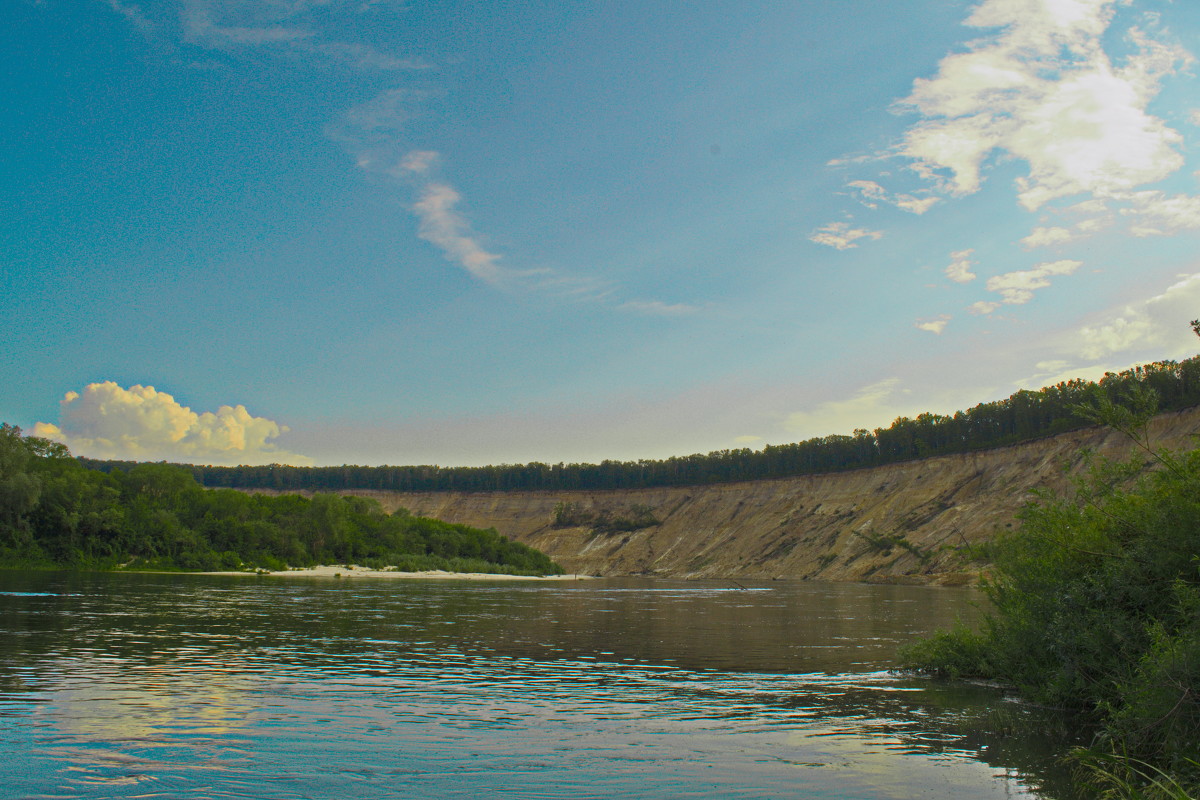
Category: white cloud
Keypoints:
(1042, 90)
(871, 194)
(1158, 323)
(377, 121)
(443, 226)
(1016, 288)
(873, 406)
(1047, 237)
(1156, 214)
(959, 270)
(659, 309)
(983, 307)
(142, 424)
(745, 440)
(200, 26)
(841, 236)
(365, 57)
(1194, 116)
(936, 325)
(419, 161)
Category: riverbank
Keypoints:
(355, 571)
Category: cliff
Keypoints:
(908, 522)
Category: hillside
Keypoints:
(906, 522)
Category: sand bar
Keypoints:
(354, 571)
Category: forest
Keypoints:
(1022, 417)
(55, 512)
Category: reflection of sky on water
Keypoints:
(438, 692)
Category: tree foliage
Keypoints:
(1097, 608)
(56, 512)
(1024, 416)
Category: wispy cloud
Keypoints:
(658, 308)
(142, 424)
(442, 225)
(1043, 90)
(959, 270)
(841, 236)
(875, 404)
(201, 26)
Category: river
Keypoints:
(191, 686)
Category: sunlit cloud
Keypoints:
(443, 226)
(871, 194)
(936, 325)
(1156, 214)
(1017, 288)
(1158, 323)
(1047, 236)
(959, 270)
(873, 405)
(841, 236)
(1043, 90)
(983, 307)
(142, 424)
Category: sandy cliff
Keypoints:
(904, 522)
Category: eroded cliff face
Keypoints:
(906, 522)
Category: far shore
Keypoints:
(354, 571)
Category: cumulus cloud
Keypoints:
(841, 236)
(1047, 237)
(959, 270)
(1156, 214)
(143, 424)
(1158, 324)
(1043, 90)
(871, 194)
(1017, 288)
(983, 307)
(936, 325)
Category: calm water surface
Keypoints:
(146, 686)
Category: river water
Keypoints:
(189, 686)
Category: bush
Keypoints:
(1096, 608)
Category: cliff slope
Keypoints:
(907, 522)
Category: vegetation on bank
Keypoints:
(1024, 416)
(1096, 609)
(54, 512)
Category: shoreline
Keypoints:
(355, 571)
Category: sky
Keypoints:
(462, 233)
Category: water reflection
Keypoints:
(189, 686)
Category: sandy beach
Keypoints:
(354, 571)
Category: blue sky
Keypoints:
(312, 231)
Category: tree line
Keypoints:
(1022, 417)
(56, 512)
